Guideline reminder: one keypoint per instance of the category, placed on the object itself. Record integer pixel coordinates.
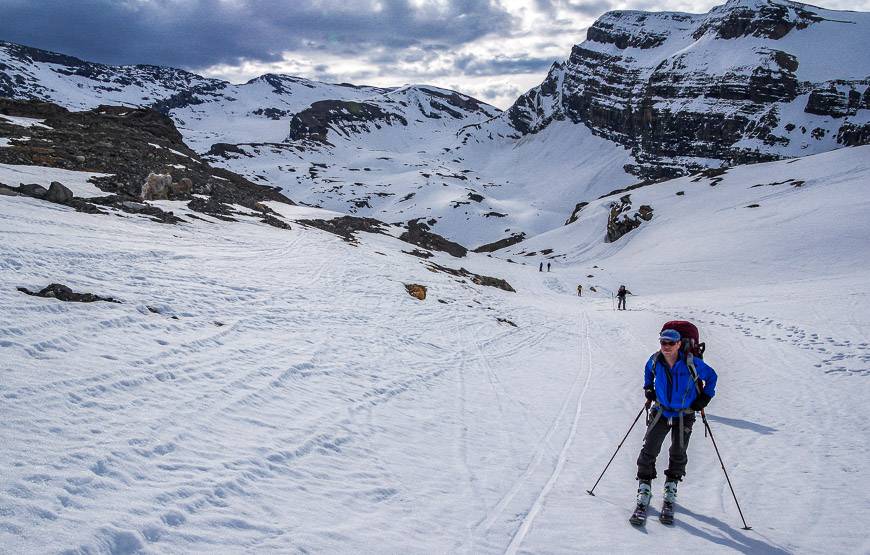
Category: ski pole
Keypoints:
(707, 428)
(636, 418)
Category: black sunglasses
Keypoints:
(666, 342)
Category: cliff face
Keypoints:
(751, 80)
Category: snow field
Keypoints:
(278, 391)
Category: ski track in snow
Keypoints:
(585, 368)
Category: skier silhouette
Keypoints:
(620, 305)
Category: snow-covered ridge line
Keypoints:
(647, 96)
(747, 81)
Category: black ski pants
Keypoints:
(620, 304)
(658, 429)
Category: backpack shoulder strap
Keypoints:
(690, 363)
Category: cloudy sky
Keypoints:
(491, 49)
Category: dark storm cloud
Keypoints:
(472, 65)
(201, 33)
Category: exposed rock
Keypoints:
(64, 293)
(314, 122)
(156, 187)
(418, 234)
(121, 203)
(852, 134)
(831, 101)
(346, 226)
(224, 150)
(416, 290)
(128, 143)
(57, 192)
(675, 117)
(213, 207)
(419, 253)
(620, 222)
(501, 243)
(181, 189)
(131, 206)
(576, 212)
(32, 190)
(475, 278)
(275, 222)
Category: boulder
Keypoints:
(59, 193)
(416, 290)
(182, 189)
(33, 190)
(133, 206)
(156, 187)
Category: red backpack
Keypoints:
(689, 333)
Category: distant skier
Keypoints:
(670, 387)
(579, 290)
(548, 266)
(620, 305)
(541, 267)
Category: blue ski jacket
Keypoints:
(675, 389)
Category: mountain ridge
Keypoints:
(647, 96)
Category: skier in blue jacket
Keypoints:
(677, 384)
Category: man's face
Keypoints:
(670, 346)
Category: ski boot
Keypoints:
(644, 494)
(667, 514)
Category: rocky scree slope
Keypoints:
(129, 144)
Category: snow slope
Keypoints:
(283, 393)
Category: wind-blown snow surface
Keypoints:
(288, 395)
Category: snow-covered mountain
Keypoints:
(751, 80)
(644, 97)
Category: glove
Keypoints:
(650, 394)
(700, 401)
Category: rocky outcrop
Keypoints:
(419, 234)
(575, 214)
(63, 293)
(344, 117)
(346, 227)
(501, 243)
(665, 86)
(621, 221)
(770, 20)
(130, 145)
(478, 279)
